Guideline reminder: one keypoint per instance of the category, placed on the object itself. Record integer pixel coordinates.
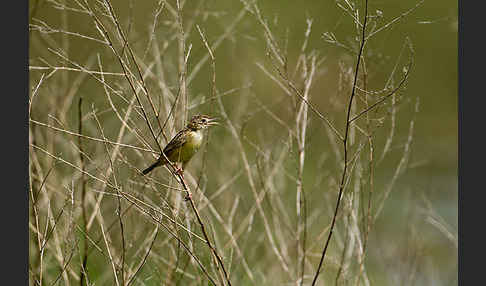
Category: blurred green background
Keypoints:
(405, 239)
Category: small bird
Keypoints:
(185, 143)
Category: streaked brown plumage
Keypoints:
(185, 143)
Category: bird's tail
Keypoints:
(151, 167)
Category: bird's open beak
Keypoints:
(213, 121)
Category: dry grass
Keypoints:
(284, 193)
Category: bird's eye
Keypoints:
(204, 120)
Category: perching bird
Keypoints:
(185, 143)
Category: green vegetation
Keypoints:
(299, 87)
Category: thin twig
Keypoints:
(142, 263)
(105, 33)
(345, 147)
(215, 253)
(83, 269)
(91, 138)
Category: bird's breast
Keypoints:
(191, 146)
(194, 139)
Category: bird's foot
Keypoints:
(180, 172)
(188, 196)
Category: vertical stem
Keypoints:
(371, 179)
(182, 64)
(83, 271)
(345, 141)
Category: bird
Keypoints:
(185, 144)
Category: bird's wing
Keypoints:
(176, 142)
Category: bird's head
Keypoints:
(199, 122)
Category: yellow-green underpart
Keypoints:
(183, 154)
